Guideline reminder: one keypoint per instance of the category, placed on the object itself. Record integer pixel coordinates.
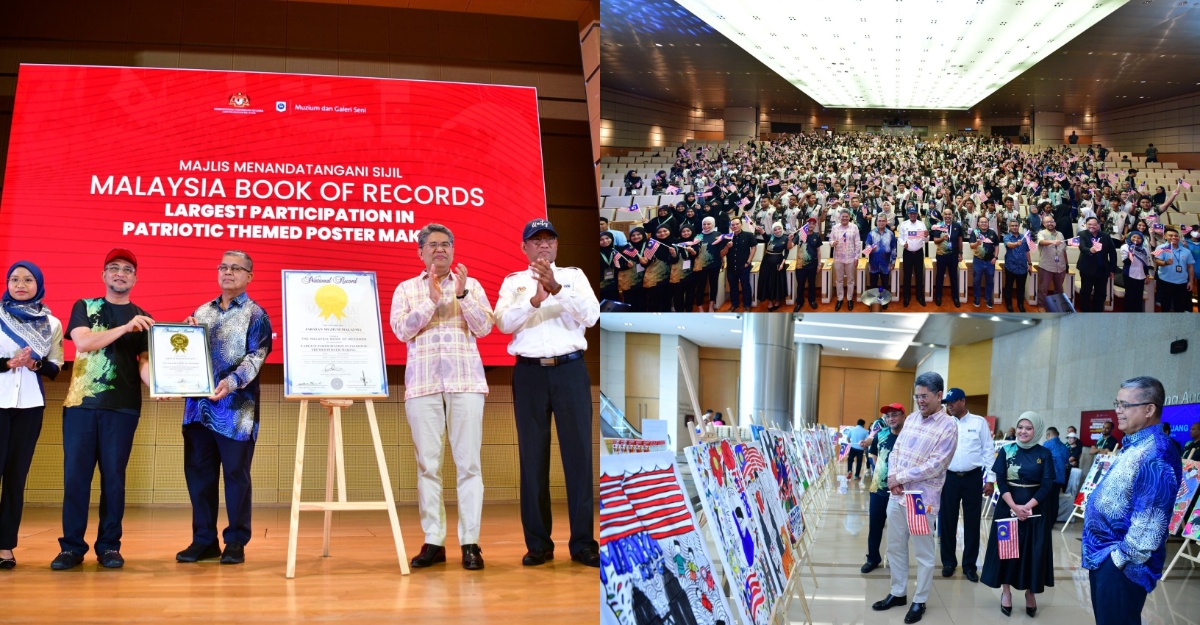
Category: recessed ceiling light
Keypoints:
(981, 67)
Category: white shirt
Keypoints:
(556, 327)
(975, 449)
(19, 387)
(910, 235)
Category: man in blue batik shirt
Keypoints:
(219, 431)
(1125, 522)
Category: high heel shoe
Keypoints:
(1029, 610)
(7, 564)
(1006, 609)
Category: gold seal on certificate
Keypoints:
(180, 365)
(332, 336)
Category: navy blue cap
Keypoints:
(912, 209)
(953, 395)
(537, 225)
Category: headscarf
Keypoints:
(1039, 429)
(1139, 250)
(27, 323)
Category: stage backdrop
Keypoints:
(301, 172)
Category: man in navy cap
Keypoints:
(912, 237)
(546, 309)
(101, 411)
(964, 485)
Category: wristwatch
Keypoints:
(464, 294)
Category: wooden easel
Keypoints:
(336, 461)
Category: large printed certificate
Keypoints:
(180, 365)
(332, 335)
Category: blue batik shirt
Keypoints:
(239, 340)
(1128, 514)
(1062, 459)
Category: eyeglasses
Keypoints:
(440, 245)
(922, 396)
(233, 268)
(547, 241)
(1121, 406)
(129, 271)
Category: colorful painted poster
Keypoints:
(786, 470)
(1186, 495)
(1099, 466)
(1191, 529)
(654, 566)
(754, 542)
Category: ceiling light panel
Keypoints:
(912, 54)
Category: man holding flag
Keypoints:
(916, 473)
(1176, 273)
(1097, 262)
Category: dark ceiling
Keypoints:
(1147, 50)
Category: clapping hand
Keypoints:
(460, 280)
(21, 359)
(544, 274)
(435, 286)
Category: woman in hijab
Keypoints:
(657, 281)
(772, 277)
(633, 182)
(711, 247)
(32, 346)
(664, 218)
(611, 262)
(1137, 266)
(1025, 479)
(682, 288)
(630, 281)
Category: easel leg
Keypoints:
(799, 590)
(387, 488)
(339, 454)
(297, 481)
(329, 464)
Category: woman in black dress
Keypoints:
(1024, 476)
(611, 261)
(772, 285)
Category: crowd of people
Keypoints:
(884, 198)
(946, 456)
(439, 314)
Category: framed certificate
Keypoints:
(180, 365)
(332, 336)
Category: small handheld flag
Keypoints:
(672, 189)
(1006, 538)
(918, 523)
(1073, 242)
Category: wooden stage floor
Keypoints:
(359, 583)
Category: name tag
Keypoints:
(687, 264)
(609, 274)
(1178, 268)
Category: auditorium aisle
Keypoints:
(845, 595)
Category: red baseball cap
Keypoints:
(122, 254)
(890, 407)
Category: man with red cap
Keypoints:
(101, 411)
(881, 443)
(808, 258)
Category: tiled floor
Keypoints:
(845, 595)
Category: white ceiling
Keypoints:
(922, 54)
(883, 336)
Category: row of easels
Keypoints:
(336, 465)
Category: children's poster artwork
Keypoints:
(751, 531)
(654, 566)
(1186, 494)
(808, 472)
(1101, 464)
(785, 468)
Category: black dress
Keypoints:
(772, 280)
(1034, 569)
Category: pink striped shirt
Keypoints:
(846, 250)
(922, 454)
(442, 354)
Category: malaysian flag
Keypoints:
(1029, 241)
(1073, 242)
(917, 521)
(1185, 185)
(672, 189)
(658, 502)
(617, 517)
(1006, 537)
